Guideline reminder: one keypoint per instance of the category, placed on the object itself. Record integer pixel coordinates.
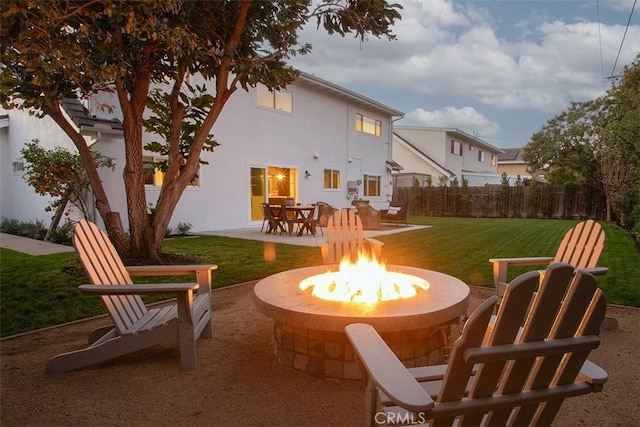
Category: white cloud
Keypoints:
(445, 47)
(465, 118)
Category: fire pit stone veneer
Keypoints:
(309, 332)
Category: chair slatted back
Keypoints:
(582, 245)
(344, 236)
(104, 267)
(548, 351)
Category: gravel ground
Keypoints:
(240, 383)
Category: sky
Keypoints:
(495, 69)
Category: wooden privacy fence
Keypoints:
(501, 201)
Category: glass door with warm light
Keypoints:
(273, 182)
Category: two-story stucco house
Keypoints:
(511, 162)
(313, 141)
(445, 153)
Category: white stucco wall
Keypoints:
(19, 200)
(412, 162)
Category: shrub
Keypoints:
(63, 233)
(184, 228)
(32, 230)
(9, 226)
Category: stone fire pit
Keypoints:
(309, 332)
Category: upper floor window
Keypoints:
(372, 185)
(280, 100)
(368, 125)
(456, 147)
(481, 156)
(493, 160)
(154, 176)
(17, 167)
(331, 179)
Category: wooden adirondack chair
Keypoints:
(135, 326)
(511, 375)
(581, 247)
(345, 236)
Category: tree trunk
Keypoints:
(58, 215)
(133, 105)
(111, 219)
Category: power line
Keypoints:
(623, 37)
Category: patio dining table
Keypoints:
(298, 214)
(303, 215)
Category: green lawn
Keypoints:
(42, 291)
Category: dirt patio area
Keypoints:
(240, 383)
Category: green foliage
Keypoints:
(59, 173)
(62, 234)
(196, 102)
(597, 143)
(31, 229)
(184, 228)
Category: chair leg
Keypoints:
(186, 334)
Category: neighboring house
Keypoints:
(445, 153)
(313, 141)
(511, 162)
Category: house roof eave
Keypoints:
(459, 134)
(346, 93)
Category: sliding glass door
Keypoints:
(271, 182)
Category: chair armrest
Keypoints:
(596, 271)
(168, 270)
(522, 261)
(385, 370)
(500, 269)
(593, 374)
(373, 242)
(161, 288)
(202, 271)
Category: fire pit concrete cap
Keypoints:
(280, 298)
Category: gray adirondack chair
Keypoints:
(135, 326)
(581, 247)
(500, 374)
(345, 236)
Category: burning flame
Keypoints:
(366, 281)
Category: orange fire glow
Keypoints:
(366, 281)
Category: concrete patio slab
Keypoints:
(31, 246)
(254, 233)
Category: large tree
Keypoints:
(65, 48)
(596, 143)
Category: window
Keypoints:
(368, 125)
(493, 160)
(154, 176)
(331, 179)
(456, 147)
(281, 101)
(481, 156)
(372, 185)
(17, 167)
(152, 173)
(470, 147)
